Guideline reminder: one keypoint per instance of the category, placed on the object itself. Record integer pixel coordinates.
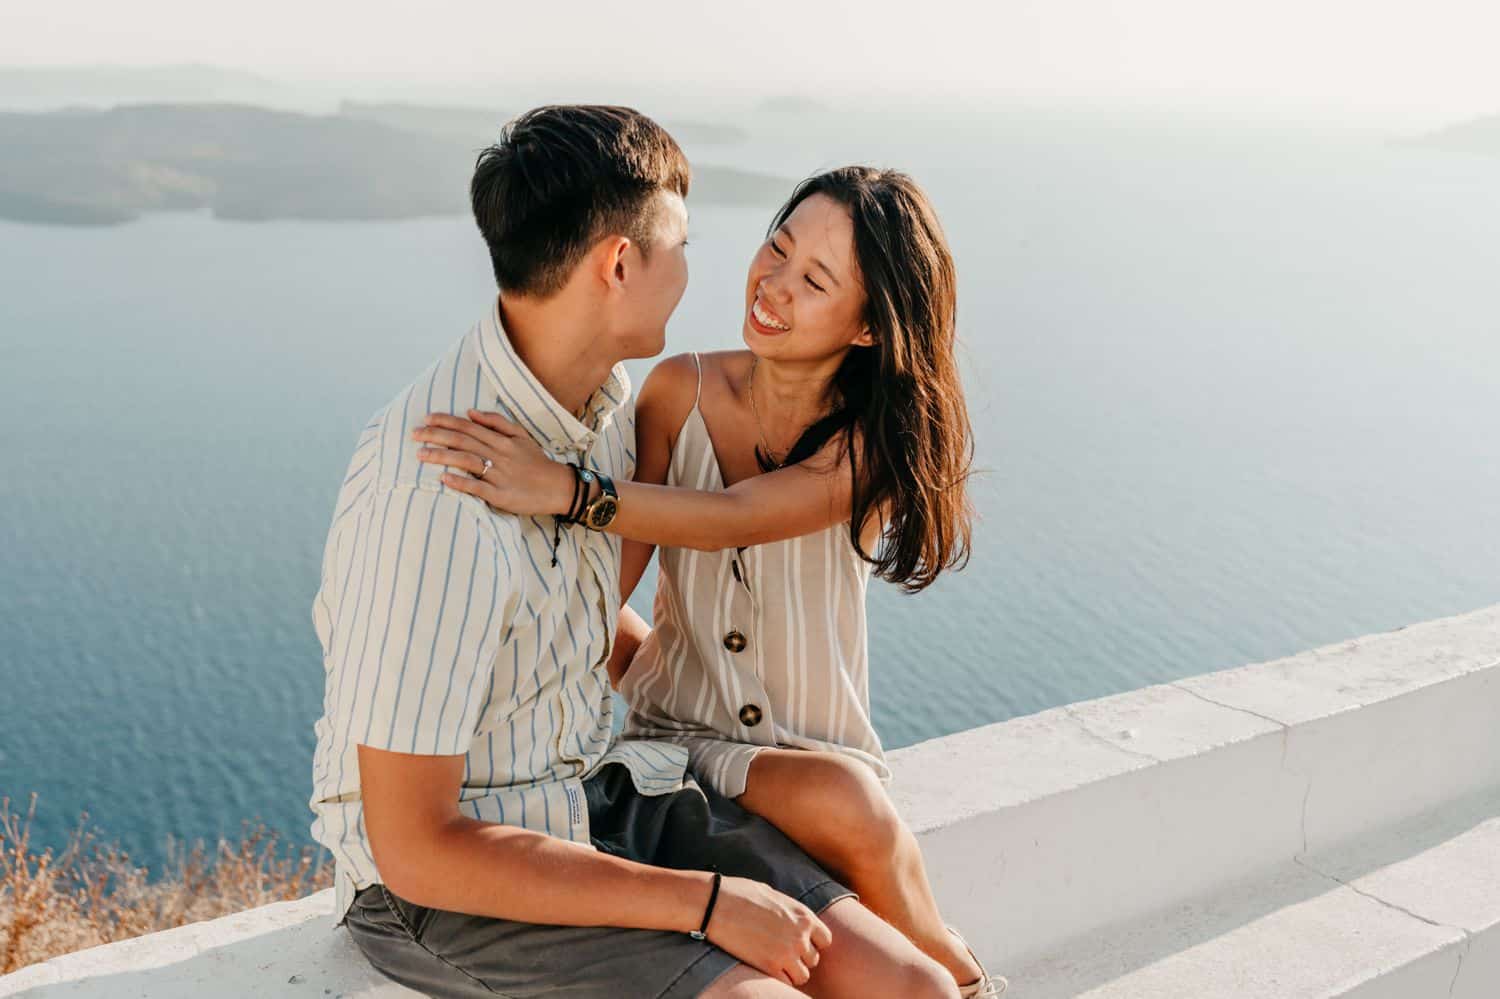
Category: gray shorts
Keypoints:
(443, 953)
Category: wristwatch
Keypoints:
(601, 512)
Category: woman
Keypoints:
(776, 479)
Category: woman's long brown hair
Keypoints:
(903, 392)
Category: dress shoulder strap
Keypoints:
(699, 365)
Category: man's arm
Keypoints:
(430, 854)
(430, 573)
(433, 856)
(437, 613)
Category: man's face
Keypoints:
(656, 281)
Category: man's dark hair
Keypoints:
(561, 178)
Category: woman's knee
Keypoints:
(927, 979)
(869, 957)
(831, 804)
(869, 827)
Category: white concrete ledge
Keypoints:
(1321, 825)
(289, 949)
(1096, 813)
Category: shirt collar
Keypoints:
(532, 406)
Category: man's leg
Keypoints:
(870, 959)
(451, 955)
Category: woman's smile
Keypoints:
(765, 321)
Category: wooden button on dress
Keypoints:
(735, 641)
(750, 715)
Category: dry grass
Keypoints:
(92, 894)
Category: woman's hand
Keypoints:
(520, 478)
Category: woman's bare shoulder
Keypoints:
(666, 398)
(726, 367)
(669, 381)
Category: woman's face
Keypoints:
(804, 299)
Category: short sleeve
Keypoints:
(414, 651)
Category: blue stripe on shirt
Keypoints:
(436, 631)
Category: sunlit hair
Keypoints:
(561, 178)
(916, 443)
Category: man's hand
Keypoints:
(767, 930)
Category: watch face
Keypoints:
(602, 512)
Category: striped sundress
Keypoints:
(764, 646)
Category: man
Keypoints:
(490, 836)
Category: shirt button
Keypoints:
(735, 641)
(750, 715)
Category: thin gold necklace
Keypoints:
(761, 430)
(750, 390)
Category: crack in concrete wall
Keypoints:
(1112, 744)
(1462, 951)
(1463, 945)
(1286, 735)
(1232, 707)
(1300, 858)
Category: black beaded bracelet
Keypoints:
(701, 933)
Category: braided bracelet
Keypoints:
(559, 521)
(578, 487)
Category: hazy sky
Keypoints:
(1436, 57)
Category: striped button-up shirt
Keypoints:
(447, 630)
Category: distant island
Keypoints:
(1477, 135)
(367, 161)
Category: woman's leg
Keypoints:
(834, 808)
(744, 982)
